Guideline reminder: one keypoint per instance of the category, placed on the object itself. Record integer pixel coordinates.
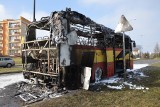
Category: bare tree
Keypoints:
(157, 50)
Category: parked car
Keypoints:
(6, 62)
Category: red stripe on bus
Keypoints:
(110, 69)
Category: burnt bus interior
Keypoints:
(41, 57)
(128, 46)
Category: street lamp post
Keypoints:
(34, 9)
(124, 59)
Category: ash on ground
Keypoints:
(30, 93)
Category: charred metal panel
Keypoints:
(64, 55)
(72, 38)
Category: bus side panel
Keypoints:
(110, 62)
(99, 63)
(110, 69)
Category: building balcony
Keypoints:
(1, 47)
(17, 33)
(14, 34)
(17, 54)
(16, 26)
(1, 34)
(17, 47)
(1, 40)
(18, 40)
(1, 27)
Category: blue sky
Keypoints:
(143, 15)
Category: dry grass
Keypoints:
(156, 64)
(113, 98)
(127, 98)
(12, 69)
(18, 60)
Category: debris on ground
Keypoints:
(118, 83)
(31, 93)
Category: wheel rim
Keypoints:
(9, 65)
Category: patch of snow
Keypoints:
(131, 86)
(142, 74)
(136, 71)
(115, 87)
(55, 95)
(126, 83)
(110, 80)
(129, 70)
(139, 66)
(139, 88)
(136, 67)
(132, 73)
(8, 79)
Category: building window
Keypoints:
(11, 39)
(14, 25)
(13, 32)
(11, 45)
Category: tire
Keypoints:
(9, 65)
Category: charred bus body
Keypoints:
(74, 42)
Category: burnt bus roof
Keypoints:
(74, 18)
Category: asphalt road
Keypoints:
(146, 61)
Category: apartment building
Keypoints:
(12, 34)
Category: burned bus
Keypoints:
(74, 42)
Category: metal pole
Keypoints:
(124, 60)
(34, 9)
